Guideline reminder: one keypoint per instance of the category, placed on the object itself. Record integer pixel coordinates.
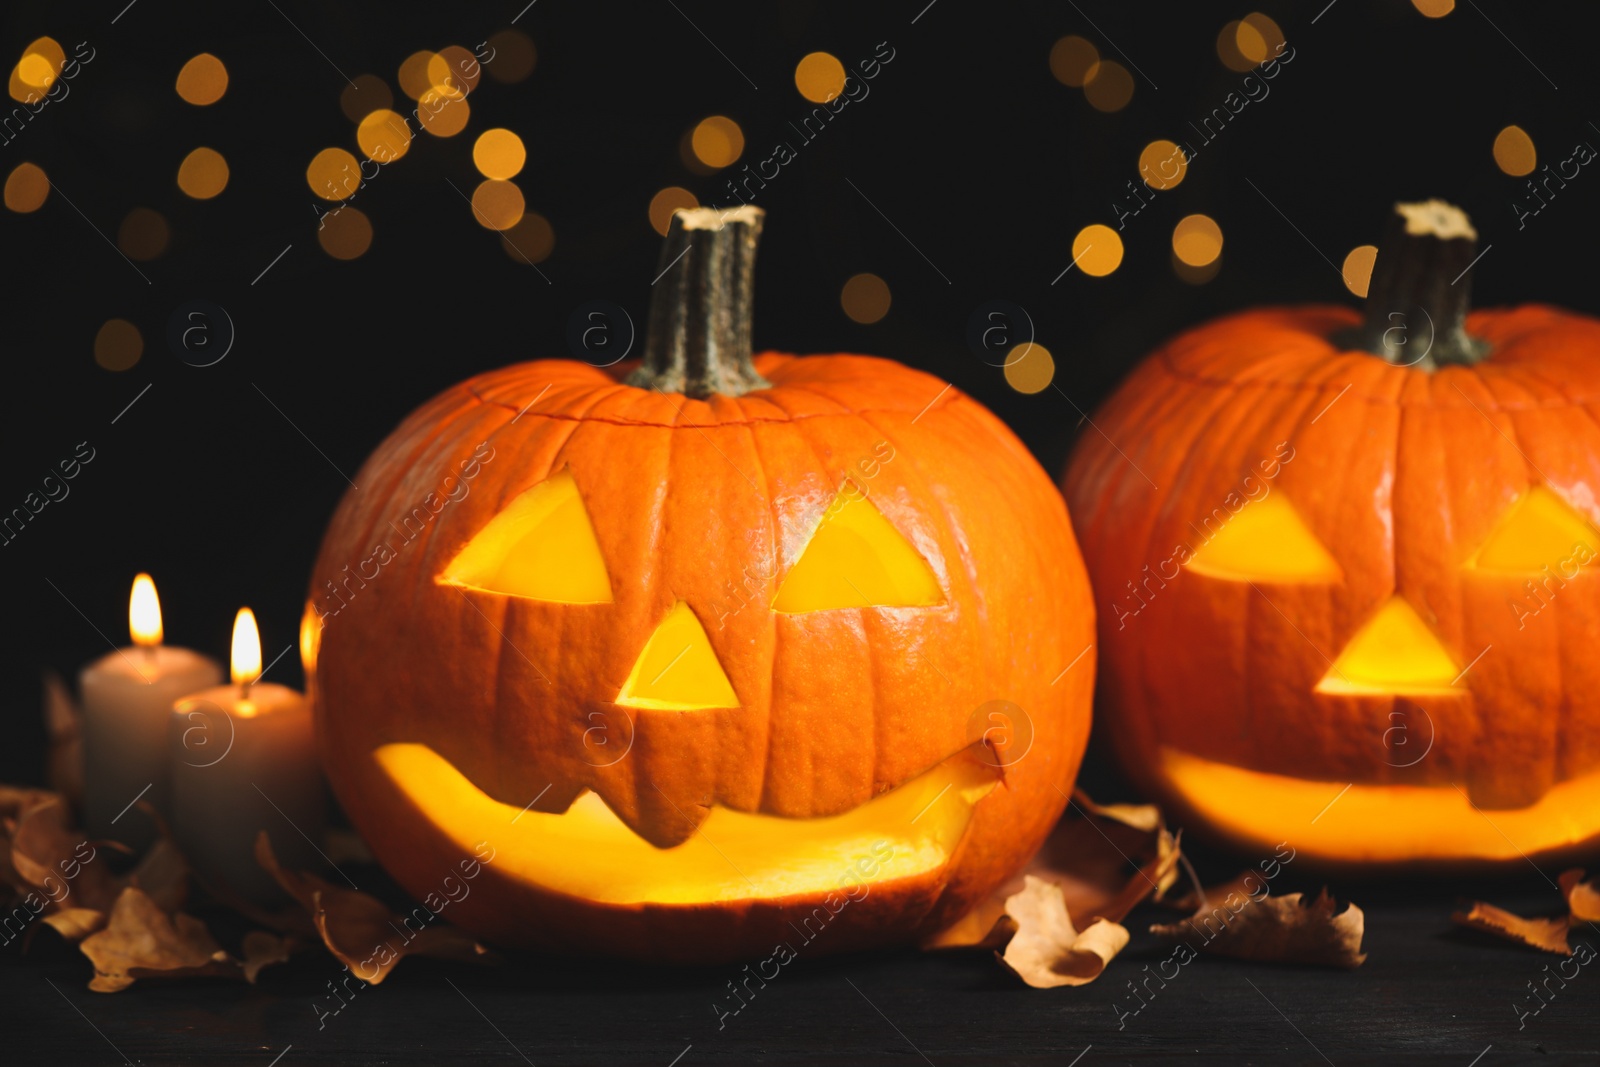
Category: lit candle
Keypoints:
(127, 698)
(244, 760)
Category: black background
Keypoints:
(977, 155)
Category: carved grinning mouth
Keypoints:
(588, 852)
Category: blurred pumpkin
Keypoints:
(691, 654)
(1345, 563)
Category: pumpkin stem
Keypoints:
(1417, 302)
(698, 342)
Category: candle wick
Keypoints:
(244, 690)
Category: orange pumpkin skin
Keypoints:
(691, 500)
(1210, 684)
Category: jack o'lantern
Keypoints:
(1345, 569)
(690, 662)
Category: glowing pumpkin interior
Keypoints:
(542, 546)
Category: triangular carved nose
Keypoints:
(678, 670)
(1394, 654)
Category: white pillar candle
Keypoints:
(127, 698)
(243, 760)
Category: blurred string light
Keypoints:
(345, 233)
(499, 153)
(333, 174)
(498, 205)
(443, 112)
(414, 80)
(1514, 152)
(118, 345)
(383, 135)
(366, 94)
(37, 69)
(1357, 269)
(1434, 9)
(1097, 250)
(865, 298)
(203, 173)
(27, 187)
(512, 58)
(1246, 43)
(717, 141)
(1072, 59)
(1197, 240)
(454, 69)
(203, 80)
(665, 202)
(143, 234)
(1030, 368)
(1163, 165)
(1109, 87)
(1195, 275)
(529, 241)
(820, 77)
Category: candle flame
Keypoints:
(144, 613)
(245, 663)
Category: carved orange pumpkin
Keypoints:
(696, 660)
(1346, 598)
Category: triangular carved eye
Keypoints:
(1265, 541)
(856, 559)
(541, 546)
(1395, 653)
(1539, 530)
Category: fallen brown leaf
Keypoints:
(261, 949)
(1583, 898)
(59, 864)
(1548, 935)
(1086, 856)
(1274, 929)
(1047, 951)
(361, 931)
(142, 941)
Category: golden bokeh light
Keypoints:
(819, 77)
(384, 136)
(1030, 368)
(37, 70)
(1257, 39)
(1195, 275)
(345, 233)
(26, 188)
(1357, 269)
(529, 241)
(413, 74)
(118, 345)
(143, 234)
(865, 298)
(334, 174)
(512, 58)
(443, 113)
(1163, 165)
(1514, 152)
(1109, 87)
(1434, 9)
(1097, 250)
(718, 141)
(499, 153)
(203, 80)
(454, 70)
(203, 173)
(367, 94)
(1197, 240)
(664, 203)
(1072, 61)
(1228, 48)
(497, 205)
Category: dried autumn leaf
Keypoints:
(17, 799)
(63, 724)
(1547, 935)
(1086, 856)
(1583, 898)
(1047, 950)
(1274, 929)
(163, 874)
(60, 862)
(75, 924)
(361, 931)
(142, 941)
(261, 949)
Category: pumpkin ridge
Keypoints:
(774, 535)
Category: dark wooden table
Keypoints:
(1428, 993)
